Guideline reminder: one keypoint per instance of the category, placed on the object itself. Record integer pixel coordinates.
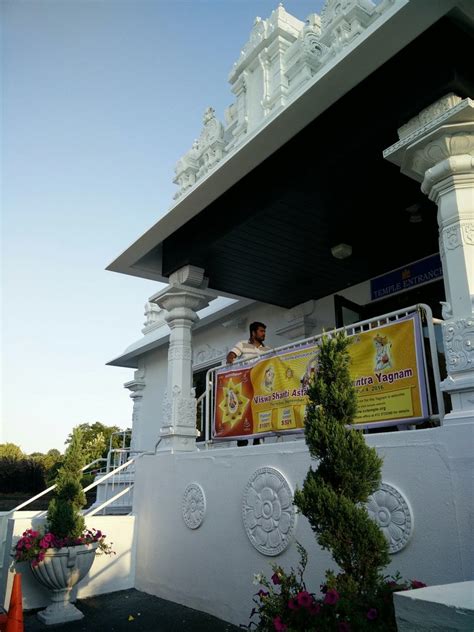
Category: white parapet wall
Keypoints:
(109, 573)
(197, 513)
(436, 608)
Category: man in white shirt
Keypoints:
(249, 350)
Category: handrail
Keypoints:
(109, 501)
(202, 417)
(115, 471)
(46, 491)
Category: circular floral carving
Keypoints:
(267, 511)
(391, 511)
(194, 506)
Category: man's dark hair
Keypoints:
(254, 326)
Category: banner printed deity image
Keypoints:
(310, 371)
(233, 404)
(268, 379)
(383, 358)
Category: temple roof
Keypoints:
(263, 220)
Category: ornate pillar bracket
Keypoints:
(437, 149)
(182, 299)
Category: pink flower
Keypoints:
(279, 625)
(332, 597)
(416, 584)
(372, 614)
(314, 609)
(304, 599)
(343, 626)
(262, 593)
(293, 604)
(276, 579)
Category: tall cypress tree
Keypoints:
(64, 517)
(348, 471)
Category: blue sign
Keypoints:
(423, 271)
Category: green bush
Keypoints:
(348, 471)
(64, 518)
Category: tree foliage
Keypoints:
(348, 471)
(95, 439)
(11, 451)
(64, 518)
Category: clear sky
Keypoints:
(100, 98)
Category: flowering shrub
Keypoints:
(32, 545)
(283, 603)
(333, 499)
(65, 523)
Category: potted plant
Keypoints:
(63, 553)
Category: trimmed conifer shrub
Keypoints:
(347, 473)
(64, 517)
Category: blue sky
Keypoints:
(100, 99)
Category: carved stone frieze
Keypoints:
(444, 148)
(179, 353)
(458, 338)
(185, 411)
(267, 511)
(167, 410)
(281, 55)
(206, 353)
(154, 317)
(461, 234)
(391, 511)
(344, 20)
(433, 112)
(193, 506)
(443, 112)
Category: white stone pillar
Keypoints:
(184, 297)
(136, 387)
(437, 149)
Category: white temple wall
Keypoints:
(150, 415)
(429, 468)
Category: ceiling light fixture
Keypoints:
(414, 212)
(341, 251)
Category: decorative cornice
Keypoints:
(429, 116)
(462, 112)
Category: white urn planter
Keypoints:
(60, 570)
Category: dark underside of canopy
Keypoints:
(269, 237)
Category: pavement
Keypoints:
(132, 611)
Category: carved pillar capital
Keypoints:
(437, 149)
(182, 300)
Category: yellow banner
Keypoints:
(385, 367)
(269, 396)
